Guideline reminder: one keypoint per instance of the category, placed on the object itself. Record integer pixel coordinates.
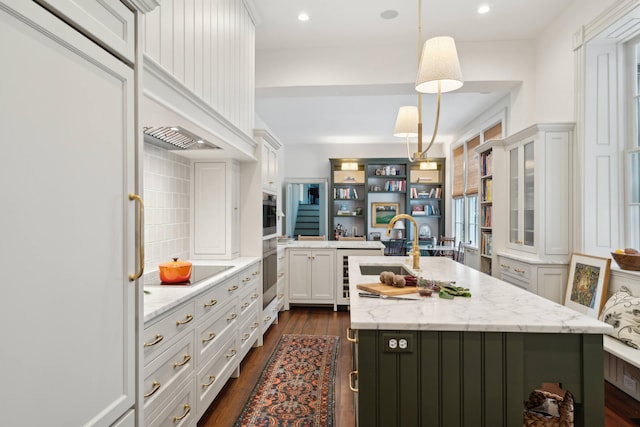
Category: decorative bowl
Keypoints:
(627, 261)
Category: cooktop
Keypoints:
(198, 274)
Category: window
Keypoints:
(632, 161)
(458, 221)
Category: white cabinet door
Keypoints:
(216, 215)
(323, 275)
(299, 275)
(67, 313)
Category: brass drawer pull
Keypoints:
(186, 320)
(255, 325)
(233, 353)
(184, 361)
(156, 387)
(245, 336)
(254, 296)
(212, 335)
(517, 270)
(233, 316)
(212, 378)
(245, 305)
(154, 342)
(505, 266)
(139, 236)
(352, 335)
(187, 409)
(352, 375)
(266, 319)
(233, 288)
(255, 273)
(211, 303)
(246, 279)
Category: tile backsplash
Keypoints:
(167, 181)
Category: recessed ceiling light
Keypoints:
(389, 14)
(484, 9)
(303, 17)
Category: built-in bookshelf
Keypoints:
(486, 208)
(394, 182)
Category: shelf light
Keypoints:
(349, 166)
(428, 166)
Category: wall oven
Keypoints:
(269, 270)
(269, 214)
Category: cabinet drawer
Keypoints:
(180, 411)
(514, 268)
(249, 331)
(210, 300)
(517, 281)
(249, 276)
(215, 329)
(215, 373)
(249, 299)
(157, 336)
(166, 371)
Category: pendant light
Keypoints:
(438, 72)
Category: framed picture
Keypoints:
(381, 213)
(587, 284)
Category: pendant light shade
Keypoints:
(439, 66)
(406, 122)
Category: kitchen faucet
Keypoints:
(416, 248)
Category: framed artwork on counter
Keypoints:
(587, 284)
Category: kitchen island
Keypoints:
(468, 361)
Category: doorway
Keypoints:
(306, 207)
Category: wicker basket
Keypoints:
(627, 261)
(565, 409)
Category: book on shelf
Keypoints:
(435, 193)
(345, 193)
(486, 190)
(485, 243)
(424, 179)
(399, 185)
(486, 163)
(342, 212)
(487, 216)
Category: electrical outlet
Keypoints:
(397, 343)
(629, 382)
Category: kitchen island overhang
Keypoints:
(472, 358)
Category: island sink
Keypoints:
(374, 270)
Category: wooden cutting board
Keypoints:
(382, 289)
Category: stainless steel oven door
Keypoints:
(269, 270)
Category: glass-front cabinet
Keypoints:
(522, 195)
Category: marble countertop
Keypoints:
(333, 244)
(159, 299)
(495, 306)
(530, 260)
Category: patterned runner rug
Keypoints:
(296, 386)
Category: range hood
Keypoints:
(176, 138)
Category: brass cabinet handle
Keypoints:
(211, 303)
(139, 236)
(246, 279)
(255, 273)
(245, 336)
(352, 375)
(184, 361)
(154, 342)
(352, 335)
(255, 325)
(233, 316)
(505, 266)
(233, 288)
(233, 353)
(211, 336)
(186, 320)
(212, 378)
(156, 387)
(245, 305)
(517, 270)
(254, 296)
(187, 409)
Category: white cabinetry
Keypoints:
(269, 159)
(68, 123)
(282, 292)
(472, 257)
(215, 225)
(533, 243)
(191, 351)
(312, 276)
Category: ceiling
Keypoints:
(367, 112)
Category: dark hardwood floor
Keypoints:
(620, 409)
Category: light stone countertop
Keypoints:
(163, 298)
(332, 244)
(495, 306)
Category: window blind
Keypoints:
(472, 166)
(494, 132)
(458, 171)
